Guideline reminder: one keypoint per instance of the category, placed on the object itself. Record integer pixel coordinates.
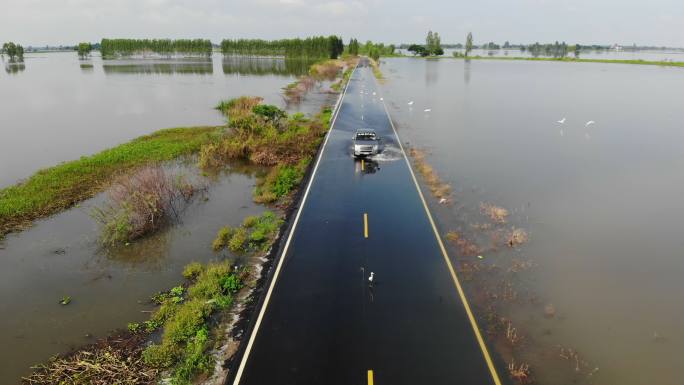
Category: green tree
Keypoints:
(469, 43)
(577, 51)
(84, 50)
(13, 50)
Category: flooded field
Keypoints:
(649, 55)
(63, 109)
(598, 300)
(57, 108)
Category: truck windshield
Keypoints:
(365, 136)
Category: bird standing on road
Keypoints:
(370, 278)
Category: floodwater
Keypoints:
(56, 107)
(61, 256)
(602, 203)
(649, 55)
(59, 108)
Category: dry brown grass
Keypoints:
(327, 70)
(465, 246)
(438, 188)
(116, 360)
(496, 214)
(141, 203)
(519, 373)
(516, 237)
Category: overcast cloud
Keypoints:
(40, 22)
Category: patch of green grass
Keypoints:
(56, 188)
(255, 234)
(185, 338)
(192, 270)
(238, 240)
(222, 238)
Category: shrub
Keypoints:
(269, 112)
(187, 320)
(250, 221)
(192, 270)
(237, 241)
(222, 238)
(195, 360)
(160, 356)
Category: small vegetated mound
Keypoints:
(516, 237)
(256, 234)
(439, 188)
(323, 71)
(142, 203)
(267, 136)
(495, 213)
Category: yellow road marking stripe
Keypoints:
(370, 377)
(365, 225)
(363, 164)
(454, 277)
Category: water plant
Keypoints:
(495, 213)
(142, 203)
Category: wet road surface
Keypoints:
(323, 322)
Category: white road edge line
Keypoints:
(459, 289)
(245, 356)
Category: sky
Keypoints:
(55, 22)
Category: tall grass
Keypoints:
(56, 188)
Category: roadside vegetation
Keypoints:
(330, 47)
(267, 136)
(113, 48)
(185, 318)
(56, 188)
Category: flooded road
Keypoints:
(600, 200)
(58, 108)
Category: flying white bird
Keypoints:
(427, 110)
(410, 103)
(589, 123)
(561, 121)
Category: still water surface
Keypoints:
(58, 108)
(602, 203)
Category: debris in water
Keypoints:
(65, 300)
(549, 311)
(516, 237)
(495, 213)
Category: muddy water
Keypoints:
(601, 202)
(56, 108)
(60, 257)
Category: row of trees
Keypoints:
(127, 47)
(13, 50)
(312, 47)
(556, 50)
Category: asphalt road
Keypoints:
(322, 322)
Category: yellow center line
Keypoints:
(365, 225)
(363, 165)
(370, 377)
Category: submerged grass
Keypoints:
(439, 189)
(56, 188)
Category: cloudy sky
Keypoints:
(644, 22)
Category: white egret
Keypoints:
(370, 279)
(410, 103)
(589, 123)
(561, 121)
(427, 110)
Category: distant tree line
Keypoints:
(370, 49)
(14, 51)
(127, 47)
(311, 47)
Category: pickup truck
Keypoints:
(366, 143)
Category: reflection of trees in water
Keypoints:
(13, 67)
(466, 71)
(248, 65)
(431, 71)
(154, 68)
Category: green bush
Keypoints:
(237, 241)
(195, 360)
(269, 111)
(250, 221)
(188, 319)
(160, 356)
(222, 238)
(192, 270)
